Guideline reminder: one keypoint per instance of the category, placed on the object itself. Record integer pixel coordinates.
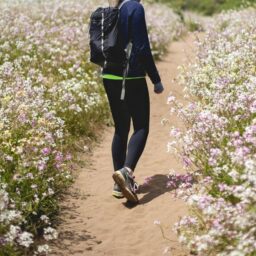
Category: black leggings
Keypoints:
(135, 107)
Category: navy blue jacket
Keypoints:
(132, 25)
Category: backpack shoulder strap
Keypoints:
(120, 6)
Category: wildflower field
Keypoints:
(50, 95)
(218, 147)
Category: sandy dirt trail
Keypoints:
(94, 222)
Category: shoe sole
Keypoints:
(119, 179)
(117, 194)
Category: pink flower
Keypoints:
(59, 157)
(46, 151)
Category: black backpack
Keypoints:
(105, 43)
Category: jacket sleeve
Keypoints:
(141, 43)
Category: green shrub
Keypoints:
(207, 7)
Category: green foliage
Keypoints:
(207, 7)
(193, 26)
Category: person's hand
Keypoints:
(158, 87)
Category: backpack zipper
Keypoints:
(102, 38)
(126, 70)
(102, 33)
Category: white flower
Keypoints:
(237, 253)
(43, 248)
(193, 199)
(45, 218)
(13, 233)
(25, 239)
(50, 191)
(250, 164)
(50, 233)
(182, 239)
(9, 215)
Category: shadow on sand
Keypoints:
(68, 235)
(157, 185)
(154, 187)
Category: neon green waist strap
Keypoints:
(114, 77)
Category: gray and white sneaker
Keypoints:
(117, 192)
(127, 184)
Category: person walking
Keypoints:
(136, 103)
